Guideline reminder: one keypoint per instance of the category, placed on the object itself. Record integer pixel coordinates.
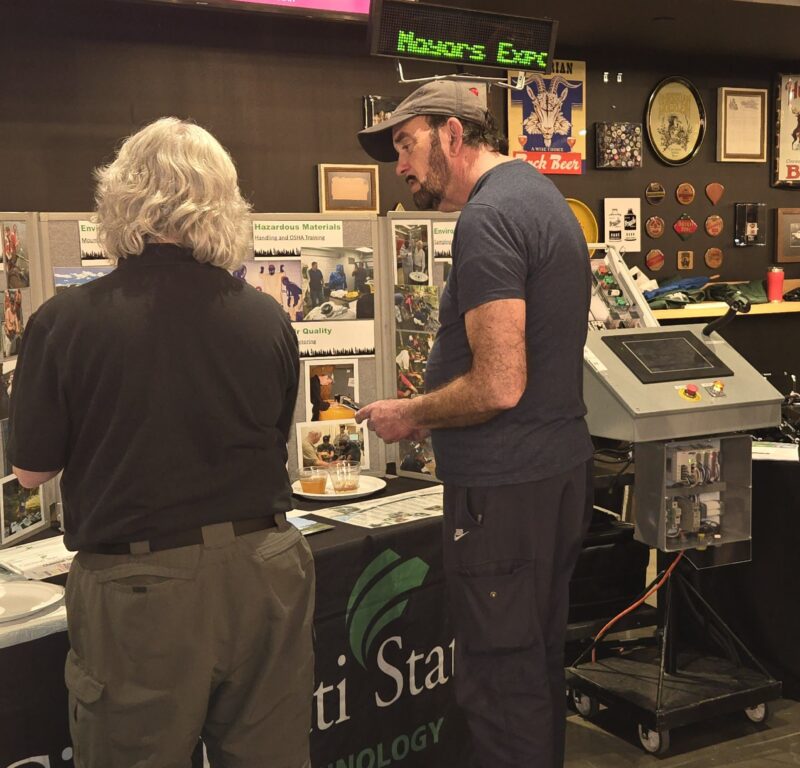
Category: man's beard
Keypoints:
(430, 194)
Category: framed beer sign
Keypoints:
(676, 121)
(786, 169)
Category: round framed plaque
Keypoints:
(676, 121)
(655, 193)
(655, 227)
(713, 258)
(654, 259)
(685, 193)
(714, 225)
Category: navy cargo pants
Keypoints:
(509, 554)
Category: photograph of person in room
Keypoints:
(417, 456)
(411, 360)
(12, 321)
(417, 308)
(15, 255)
(515, 430)
(176, 389)
(21, 510)
(336, 284)
(332, 389)
(279, 278)
(412, 248)
(6, 386)
(314, 450)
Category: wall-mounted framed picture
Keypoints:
(787, 235)
(742, 125)
(786, 170)
(352, 188)
(675, 120)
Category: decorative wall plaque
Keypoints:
(654, 259)
(619, 145)
(685, 259)
(655, 227)
(714, 225)
(655, 193)
(685, 193)
(713, 258)
(676, 121)
(714, 192)
(685, 226)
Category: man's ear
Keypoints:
(455, 135)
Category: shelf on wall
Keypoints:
(719, 308)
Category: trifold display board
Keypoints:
(417, 252)
(22, 511)
(322, 269)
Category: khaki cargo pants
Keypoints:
(209, 640)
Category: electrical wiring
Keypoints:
(636, 604)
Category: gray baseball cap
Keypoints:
(450, 98)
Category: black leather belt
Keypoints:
(180, 539)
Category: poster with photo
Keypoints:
(412, 350)
(6, 384)
(547, 119)
(12, 321)
(443, 239)
(91, 251)
(16, 261)
(21, 511)
(321, 442)
(416, 308)
(331, 389)
(66, 277)
(338, 302)
(283, 239)
(417, 456)
(411, 241)
(280, 278)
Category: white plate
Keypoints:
(21, 599)
(366, 485)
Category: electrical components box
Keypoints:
(694, 493)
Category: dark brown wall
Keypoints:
(285, 94)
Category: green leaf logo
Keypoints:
(380, 596)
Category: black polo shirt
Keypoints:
(165, 390)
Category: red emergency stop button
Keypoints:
(691, 390)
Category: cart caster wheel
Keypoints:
(760, 713)
(585, 706)
(654, 742)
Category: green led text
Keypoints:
(408, 42)
(507, 54)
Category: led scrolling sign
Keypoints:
(411, 30)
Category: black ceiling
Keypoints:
(668, 31)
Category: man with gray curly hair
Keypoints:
(165, 391)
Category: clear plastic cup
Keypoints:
(345, 475)
(313, 479)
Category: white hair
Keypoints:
(172, 181)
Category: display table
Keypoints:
(384, 666)
(390, 700)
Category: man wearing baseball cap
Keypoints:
(505, 409)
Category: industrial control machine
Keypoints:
(685, 400)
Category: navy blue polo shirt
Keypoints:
(516, 238)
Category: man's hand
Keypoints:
(390, 420)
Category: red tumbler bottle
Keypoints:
(775, 284)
